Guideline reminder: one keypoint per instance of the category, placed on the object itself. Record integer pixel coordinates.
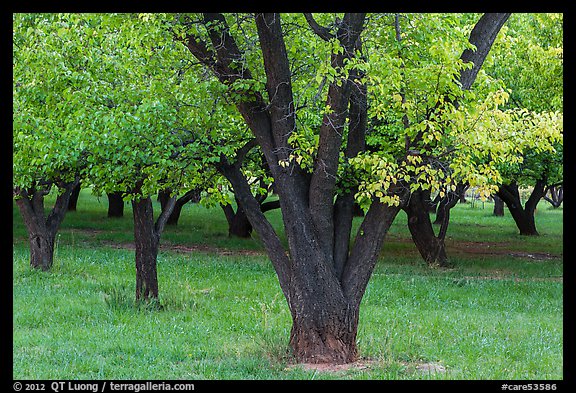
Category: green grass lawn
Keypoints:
(497, 314)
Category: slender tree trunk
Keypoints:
(189, 196)
(42, 230)
(73, 201)
(115, 204)
(147, 240)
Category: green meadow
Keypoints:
(496, 314)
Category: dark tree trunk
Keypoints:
(190, 196)
(498, 206)
(322, 282)
(556, 195)
(463, 194)
(447, 203)
(238, 223)
(147, 240)
(324, 329)
(115, 204)
(523, 216)
(73, 201)
(431, 248)
(42, 230)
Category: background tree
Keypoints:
(533, 71)
(49, 120)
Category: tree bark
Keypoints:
(147, 241)
(42, 230)
(73, 201)
(115, 204)
(323, 299)
(556, 195)
(523, 216)
(431, 248)
(498, 206)
(189, 196)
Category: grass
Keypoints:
(498, 314)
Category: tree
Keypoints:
(48, 147)
(534, 74)
(430, 245)
(316, 152)
(137, 145)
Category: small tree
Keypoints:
(49, 120)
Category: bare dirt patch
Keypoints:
(494, 248)
(192, 248)
(359, 365)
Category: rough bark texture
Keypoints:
(324, 272)
(147, 241)
(42, 230)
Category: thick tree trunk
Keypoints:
(42, 230)
(238, 223)
(523, 216)
(147, 241)
(115, 204)
(41, 249)
(323, 284)
(325, 332)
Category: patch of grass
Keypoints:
(223, 316)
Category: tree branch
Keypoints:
(482, 36)
(321, 31)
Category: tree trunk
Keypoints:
(147, 240)
(238, 223)
(73, 201)
(323, 284)
(523, 216)
(556, 195)
(431, 248)
(498, 206)
(42, 230)
(41, 249)
(324, 331)
(115, 204)
(164, 198)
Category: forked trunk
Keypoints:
(523, 216)
(42, 230)
(431, 248)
